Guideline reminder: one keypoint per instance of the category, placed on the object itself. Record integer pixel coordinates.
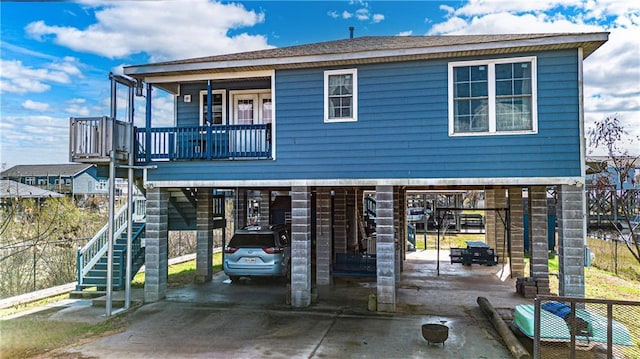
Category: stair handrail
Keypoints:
(99, 244)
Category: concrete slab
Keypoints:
(252, 320)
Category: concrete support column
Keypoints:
(385, 249)
(516, 211)
(340, 221)
(402, 214)
(539, 251)
(204, 236)
(324, 250)
(300, 246)
(571, 239)
(490, 218)
(265, 208)
(241, 208)
(397, 229)
(156, 255)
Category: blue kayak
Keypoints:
(554, 328)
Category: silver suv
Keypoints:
(258, 251)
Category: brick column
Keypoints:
(340, 221)
(500, 200)
(157, 234)
(397, 229)
(265, 208)
(385, 249)
(516, 212)
(571, 238)
(538, 228)
(241, 208)
(324, 252)
(204, 236)
(490, 219)
(300, 246)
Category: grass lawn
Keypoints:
(447, 240)
(35, 334)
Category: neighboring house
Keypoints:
(324, 123)
(69, 179)
(11, 189)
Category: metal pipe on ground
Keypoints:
(513, 344)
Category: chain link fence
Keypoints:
(567, 327)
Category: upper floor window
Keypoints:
(218, 107)
(30, 180)
(341, 95)
(493, 96)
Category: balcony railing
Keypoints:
(203, 143)
(90, 139)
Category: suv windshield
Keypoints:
(261, 240)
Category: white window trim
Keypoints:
(492, 95)
(203, 102)
(354, 113)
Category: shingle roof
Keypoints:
(382, 47)
(66, 170)
(13, 189)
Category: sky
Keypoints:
(55, 57)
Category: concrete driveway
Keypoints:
(251, 319)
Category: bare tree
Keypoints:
(39, 240)
(617, 181)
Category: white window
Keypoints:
(493, 97)
(218, 107)
(102, 185)
(30, 180)
(341, 95)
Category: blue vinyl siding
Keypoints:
(402, 129)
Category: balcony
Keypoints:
(90, 142)
(220, 142)
(90, 139)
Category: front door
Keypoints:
(251, 109)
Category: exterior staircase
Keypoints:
(92, 258)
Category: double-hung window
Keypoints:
(341, 95)
(493, 96)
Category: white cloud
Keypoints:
(333, 14)
(20, 134)
(18, 78)
(376, 18)
(35, 106)
(197, 28)
(77, 107)
(405, 33)
(362, 14)
(346, 15)
(484, 7)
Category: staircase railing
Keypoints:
(91, 253)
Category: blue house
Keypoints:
(327, 123)
(72, 179)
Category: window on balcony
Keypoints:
(218, 107)
(493, 96)
(341, 95)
